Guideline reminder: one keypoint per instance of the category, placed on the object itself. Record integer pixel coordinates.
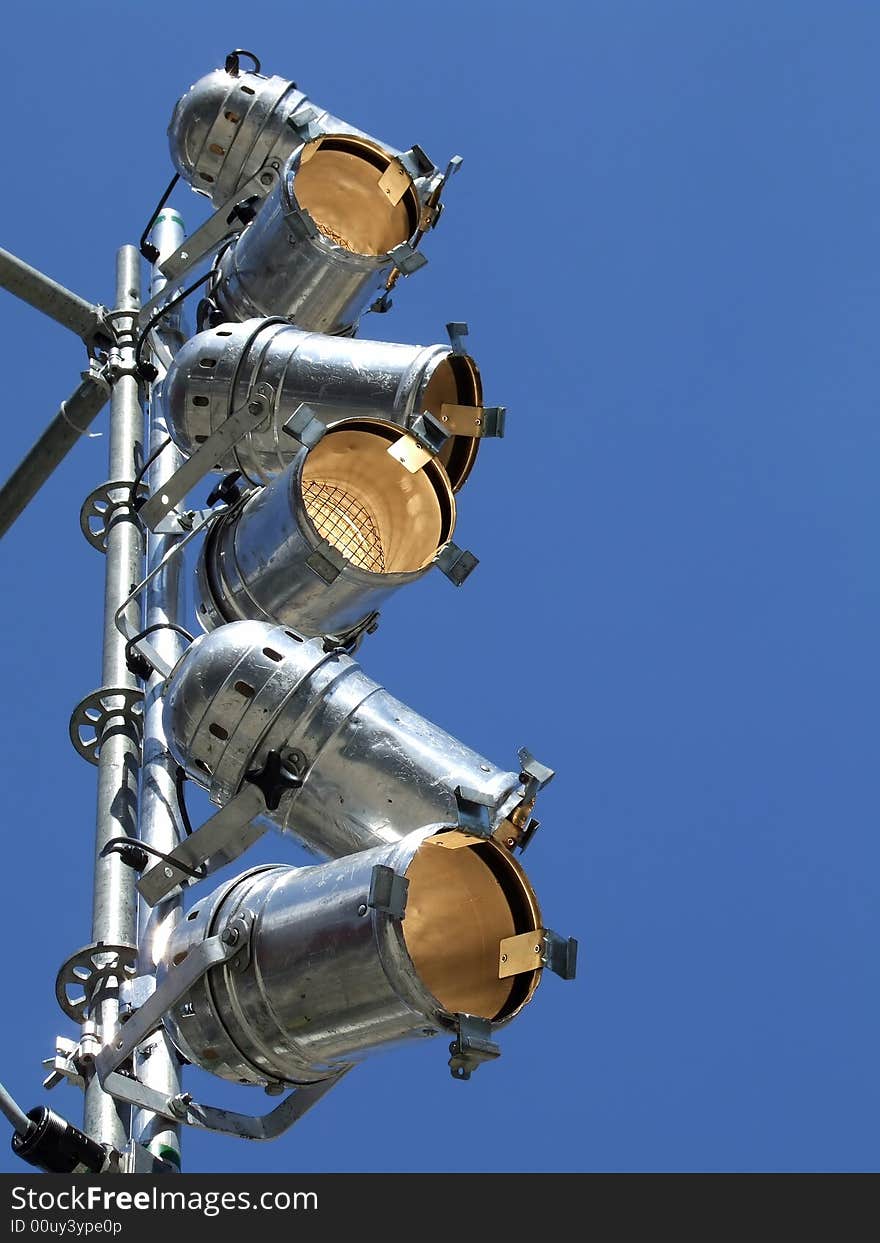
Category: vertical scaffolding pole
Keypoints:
(113, 902)
(157, 1064)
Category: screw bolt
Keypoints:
(230, 935)
(178, 1104)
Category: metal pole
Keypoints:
(54, 300)
(156, 1063)
(113, 903)
(71, 422)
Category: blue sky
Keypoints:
(664, 238)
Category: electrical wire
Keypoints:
(138, 479)
(14, 1112)
(180, 787)
(147, 249)
(146, 369)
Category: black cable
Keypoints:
(232, 66)
(179, 785)
(120, 845)
(147, 370)
(147, 249)
(132, 657)
(138, 479)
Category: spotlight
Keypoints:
(364, 768)
(433, 932)
(222, 370)
(342, 218)
(327, 541)
(231, 122)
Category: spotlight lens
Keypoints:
(382, 518)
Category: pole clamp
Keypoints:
(471, 1046)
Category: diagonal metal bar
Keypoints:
(224, 1121)
(200, 960)
(226, 836)
(84, 318)
(71, 422)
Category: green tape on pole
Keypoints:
(174, 218)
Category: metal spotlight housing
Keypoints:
(368, 769)
(231, 122)
(333, 379)
(323, 546)
(426, 934)
(328, 240)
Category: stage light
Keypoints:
(323, 546)
(363, 769)
(434, 932)
(332, 379)
(327, 241)
(231, 122)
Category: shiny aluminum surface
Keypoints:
(326, 979)
(258, 561)
(226, 126)
(338, 378)
(372, 770)
(285, 264)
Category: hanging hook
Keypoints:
(232, 65)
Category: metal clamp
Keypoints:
(301, 227)
(388, 891)
(351, 640)
(481, 422)
(456, 563)
(434, 207)
(471, 1046)
(416, 162)
(457, 330)
(473, 812)
(534, 775)
(73, 1059)
(90, 719)
(560, 954)
(304, 426)
(326, 561)
(407, 260)
(100, 508)
(529, 951)
(90, 971)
